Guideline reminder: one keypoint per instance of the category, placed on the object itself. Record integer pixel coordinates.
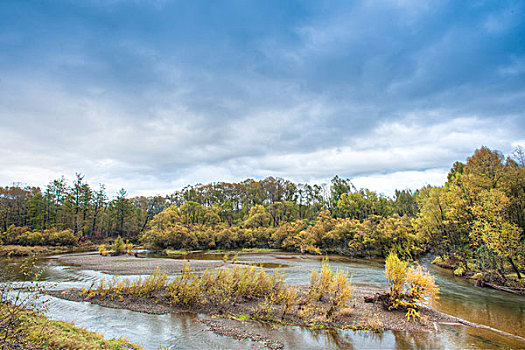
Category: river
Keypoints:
(184, 331)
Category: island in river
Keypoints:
(235, 321)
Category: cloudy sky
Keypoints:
(153, 95)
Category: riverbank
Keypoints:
(480, 279)
(7, 251)
(131, 265)
(25, 329)
(363, 316)
(359, 315)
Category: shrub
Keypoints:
(340, 292)
(118, 246)
(409, 286)
(185, 290)
(265, 311)
(328, 285)
(64, 237)
(102, 250)
(225, 287)
(288, 299)
(320, 282)
(23, 236)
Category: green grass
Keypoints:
(241, 317)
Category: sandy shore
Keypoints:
(130, 265)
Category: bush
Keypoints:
(26, 237)
(65, 237)
(102, 250)
(409, 286)
(332, 286)
(225, 287)
(118, 246)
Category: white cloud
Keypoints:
(388, 183)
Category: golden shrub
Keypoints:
(409, 286)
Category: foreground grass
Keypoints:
(29, 330)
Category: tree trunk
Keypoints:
(515, 268)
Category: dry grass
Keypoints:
(37, 332)
(222, 289)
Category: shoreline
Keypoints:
(479, 282)
(131, 265)
(17, 251)
(363, 316)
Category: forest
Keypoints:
(474, 223)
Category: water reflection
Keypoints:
(500, 310)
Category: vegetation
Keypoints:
(220, 290)
(22, 326)
(410, 287)
(33, 331)
(50, 237)
(117, 248)
(475, 222)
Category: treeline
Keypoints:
(193, 226)
(89, 212)
(475, 222)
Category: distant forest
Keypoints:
(476, 220)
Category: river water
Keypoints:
(184, 331)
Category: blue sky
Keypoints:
(154, 95)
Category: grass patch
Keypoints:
(27, 251)
(36, 331)
(241, 317)
(241, 290)
(257, 250)
(19, 250)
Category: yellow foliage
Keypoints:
(102, 250)
(332, 286)
(409, 286)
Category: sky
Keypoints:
(153, 95)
